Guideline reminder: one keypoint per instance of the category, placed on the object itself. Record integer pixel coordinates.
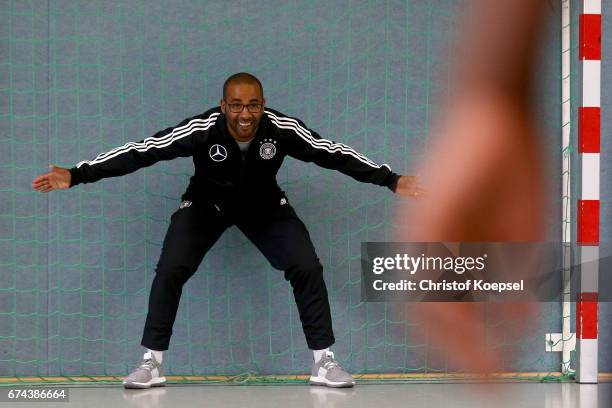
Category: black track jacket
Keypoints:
(222, 175)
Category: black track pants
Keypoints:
(277, 232)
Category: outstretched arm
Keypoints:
(307, 145)
(167, 144)
(178, 141)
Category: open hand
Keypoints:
(409, 186)
(57, 178)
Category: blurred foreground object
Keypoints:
(485, 175)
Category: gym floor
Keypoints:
(405, 395)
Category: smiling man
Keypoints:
(237, 149)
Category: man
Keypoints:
(237, 149)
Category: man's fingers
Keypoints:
(43, 186)
(39, 183)
(417, 192)
(40, 178)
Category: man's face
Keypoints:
(243, 125)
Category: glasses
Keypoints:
(253, 107)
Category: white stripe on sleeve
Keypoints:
(158, 142)
(322, 144)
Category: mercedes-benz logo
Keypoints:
(217, 153)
